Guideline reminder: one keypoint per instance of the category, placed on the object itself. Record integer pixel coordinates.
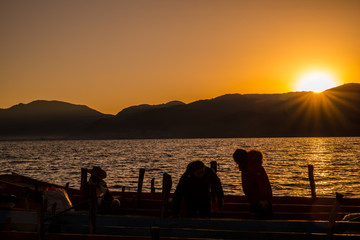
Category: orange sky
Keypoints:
(113, 54)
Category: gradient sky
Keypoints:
(113, 54)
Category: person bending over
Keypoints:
(194, 187)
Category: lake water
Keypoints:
(336, 161)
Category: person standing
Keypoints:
(255, 182)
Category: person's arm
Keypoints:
(217, 187)
(107, 194)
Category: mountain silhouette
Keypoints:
(335, 112)
(146, 107)
(45, 120)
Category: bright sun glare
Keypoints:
(316, 82)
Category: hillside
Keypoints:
(335, 112)
(45, 119)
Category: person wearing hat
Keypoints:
(106, 202)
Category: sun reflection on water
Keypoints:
(335, 160)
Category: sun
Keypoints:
(316, 81)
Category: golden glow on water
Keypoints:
(320, 147)
(336, 161)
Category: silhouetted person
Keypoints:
(106, 202)
(240, 157)
(255, 182)
(194, 187)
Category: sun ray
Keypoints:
(315, 113)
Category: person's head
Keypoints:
(97, 173)
(115, 205)
(196, 168)
(240, 157)
(255, 156)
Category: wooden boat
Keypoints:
(286, 208)
(294, 218)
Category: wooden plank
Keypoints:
(62, 236)
(244, 236)
(279, 208)
(140, 226)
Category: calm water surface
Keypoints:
(336, 161)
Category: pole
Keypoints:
(92, 208)
(166, 188)
(333, 216)
(153, 185)
(312, 181)
(140, 184)
(83, 177)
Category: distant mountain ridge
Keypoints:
(335, 112)
(145, 107)
(49, 108)
(237, 115)
(45, 119)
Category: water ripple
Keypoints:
(336, 161)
